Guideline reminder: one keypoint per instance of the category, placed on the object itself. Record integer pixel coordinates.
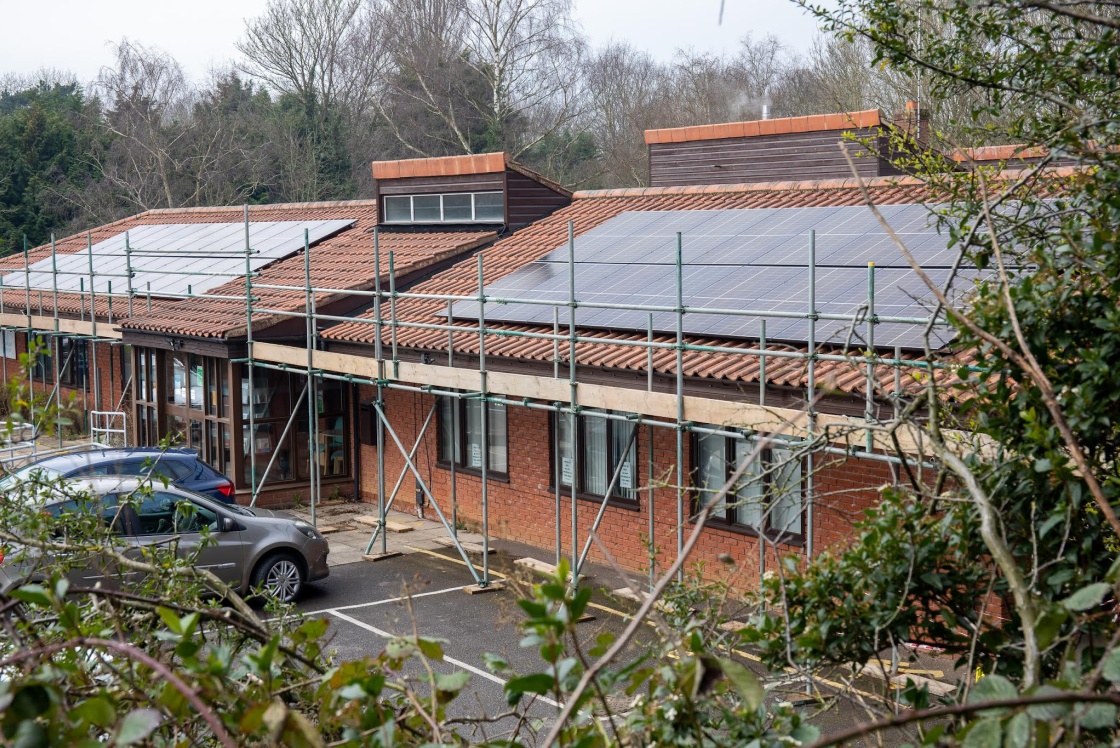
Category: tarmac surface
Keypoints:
(422, 589)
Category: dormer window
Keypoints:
(459, 207)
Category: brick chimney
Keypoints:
(914, 121)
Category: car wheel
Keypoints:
(280, 576)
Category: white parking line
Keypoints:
(451, 660)
(458, 588)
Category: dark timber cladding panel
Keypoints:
(528, 200)
(456, 183)
(765, 158)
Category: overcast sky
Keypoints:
(74, 35)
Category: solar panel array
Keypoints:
(754, 259)
(174, 256)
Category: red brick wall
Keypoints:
(107, 360)
(524, 508)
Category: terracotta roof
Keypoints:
(780, 126)
(999, 153)
(483, 163)
(590, 209)
(344, 261)
(447, 166)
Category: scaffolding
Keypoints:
(563, 394)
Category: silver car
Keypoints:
(250, 549)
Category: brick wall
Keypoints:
(102, 356)
(524, 507)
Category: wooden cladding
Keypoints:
(526, 199)
(766, 158)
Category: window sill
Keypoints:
(491, 475)
(790, 541)
(616, 502)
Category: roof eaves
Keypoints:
(778, 126)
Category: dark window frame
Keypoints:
(461, 463)
(615, 500)
(726, 520)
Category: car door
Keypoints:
(166, 518)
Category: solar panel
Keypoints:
(175, 258)
(753, 259)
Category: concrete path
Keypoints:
(348, 527)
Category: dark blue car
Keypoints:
(179, 466)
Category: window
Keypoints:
(73, 356)
(602, 452)
(9, 339)
(275, 394)
(165, 513)
(460, 434)
(460, 207)
(767, 498)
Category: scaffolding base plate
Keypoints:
(475, 589)
(380, 556)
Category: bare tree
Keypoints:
(495, 74)
(326, 53)
(626, 93)
(174, 145)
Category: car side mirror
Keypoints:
(226, 524)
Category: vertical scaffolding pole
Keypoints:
(379, 354)
(127, 271)
(312, 387)
(762, 362)
(452, 458)
(92, 364)
(869, 407)
(57, 341)
(573, 415)
(649, 467)
(484, 417)
(558, 476)
(811, 387)
(249, 355)
(680, 401)
(393, 312)
(27, 294)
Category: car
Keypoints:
(182, 467)
(252, 549)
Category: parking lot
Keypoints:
(368, 602)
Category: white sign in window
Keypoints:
(566, 470)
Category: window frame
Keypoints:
(442, 209)
(555, 469)
(461, 444)
(725, 518)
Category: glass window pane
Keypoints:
(564, 450)
(474, 433)
(751, 490)
(593, 454)
(496, 425)
(194, 376)
(488, 206)
(142, 375)
(457, 208)
(627, 484)
(447, 436)
(398, 209)
(426, 208)
(711, 466)
(177, 379)
(785, 492)
(332, 453)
